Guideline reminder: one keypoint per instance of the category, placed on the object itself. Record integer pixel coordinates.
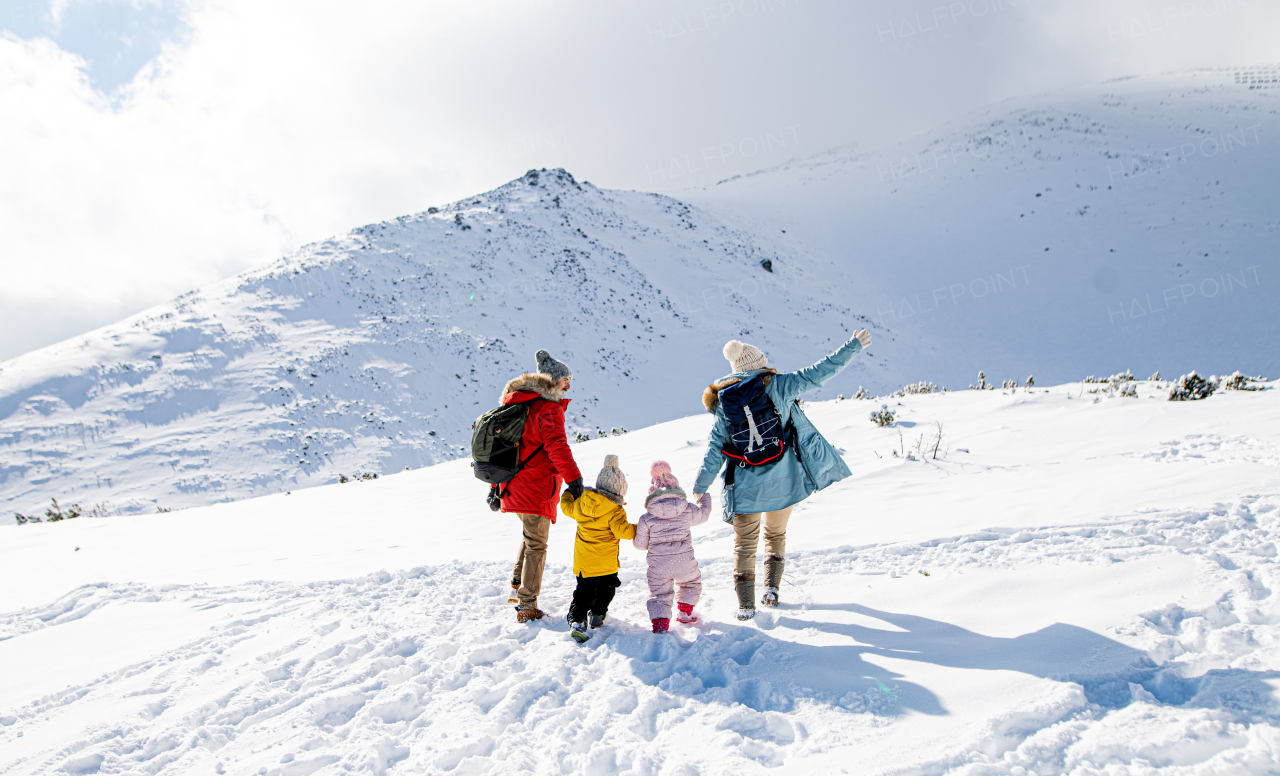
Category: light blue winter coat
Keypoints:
(788, 480)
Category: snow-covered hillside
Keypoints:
(1130, 225)
(1078, 584)
(1125, 225)
(375, 351)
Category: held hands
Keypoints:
(575, 489)
(862, 336)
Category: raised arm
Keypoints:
(813, 377)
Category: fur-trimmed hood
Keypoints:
(533, 382)
(711, 396)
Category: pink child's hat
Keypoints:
(662, 482)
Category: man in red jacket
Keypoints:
(534, 493)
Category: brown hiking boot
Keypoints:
(773, 567)
(525, 615)
(745, 584)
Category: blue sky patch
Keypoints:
(116, 38)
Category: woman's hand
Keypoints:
(862, 336)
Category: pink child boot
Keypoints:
(661, 625)
(686, 614)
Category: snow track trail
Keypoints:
(425, 671)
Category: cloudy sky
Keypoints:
(152, 146)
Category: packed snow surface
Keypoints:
(1080, 582)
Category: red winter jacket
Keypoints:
(536, 489)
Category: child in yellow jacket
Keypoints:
(602, 523)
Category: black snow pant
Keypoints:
(593, 594)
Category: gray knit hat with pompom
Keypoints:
(551, 367)
(611, 483)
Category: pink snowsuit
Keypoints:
(663, 530)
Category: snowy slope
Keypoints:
(1101, 597)
(1128, 225)
(1131, 224)
(375, 351)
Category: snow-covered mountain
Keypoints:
(375, 351)
(1129, 225)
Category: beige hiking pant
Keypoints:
(747, 538)
(531, 558)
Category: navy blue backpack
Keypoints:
(756, 434)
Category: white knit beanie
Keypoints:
(743, 357)
(611, 483)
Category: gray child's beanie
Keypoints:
(611, 483)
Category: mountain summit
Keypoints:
(375, 351)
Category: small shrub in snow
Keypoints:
(862, 393)
(342, 478)
(921, 387)
(883, 416)
(1129, 391)
(55, 513)
(1010, 385)
(1237, 382)
(982, 383)
(1031, 381)
(1191, 387)
(1155, 378)
(1115, 379)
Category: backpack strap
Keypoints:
(519, 465)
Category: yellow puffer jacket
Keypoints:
(601, 525)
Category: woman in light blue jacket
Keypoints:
(766, 494)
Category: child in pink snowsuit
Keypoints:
(663, 530)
